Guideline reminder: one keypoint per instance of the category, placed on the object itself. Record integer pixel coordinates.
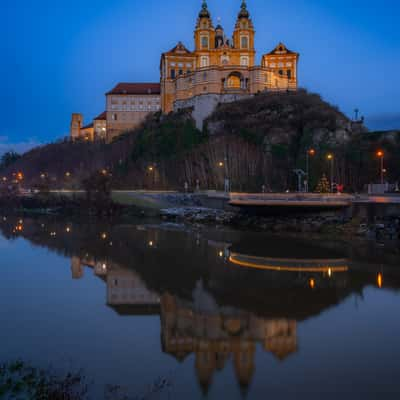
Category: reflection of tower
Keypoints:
(243, 359)
(76, 268)
(281, 338)
(213, 333)
(205, 364)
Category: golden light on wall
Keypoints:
(312, 283)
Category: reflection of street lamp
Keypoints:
(379, 280)
(152, 170)
(381, 155)
(310, 153)
(331, 158)
(224, 164)
(312, 283)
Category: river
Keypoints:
(214, 312)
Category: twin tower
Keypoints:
(223, 67)
(219, 69)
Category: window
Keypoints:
(204, 42)
(204, 61)
(180, 72)
(244, 61)
(189, 71)
(244, 42)
(173, 74)
(114, 117)
(289, 73)
(280, 72)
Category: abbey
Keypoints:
(219, 69)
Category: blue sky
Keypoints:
(60, 57)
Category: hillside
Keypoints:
(258, 141)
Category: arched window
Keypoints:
(244, 42)
(204, 42)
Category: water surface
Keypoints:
(219, 313)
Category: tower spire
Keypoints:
(204, 13)
(244, 13)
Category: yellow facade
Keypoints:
(219, 65)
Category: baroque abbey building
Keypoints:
(219, 69)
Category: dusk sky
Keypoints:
(60, 56)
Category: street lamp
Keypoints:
(310, 153)
(331, 158)
(224, 164)
(380, 154)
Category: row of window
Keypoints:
(205, 62)
(288, 73)
(180, 65)
(134, 100)
(205, 42)
(279, 65)
(174, 73)
(135, 108)
(126, 116)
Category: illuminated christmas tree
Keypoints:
(323, 185)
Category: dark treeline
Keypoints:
(254, 142)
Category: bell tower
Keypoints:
(204, 36)
(243, 36)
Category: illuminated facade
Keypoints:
(223, 67)
(219, 69)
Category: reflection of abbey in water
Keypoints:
(201, 327)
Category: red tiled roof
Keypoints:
(136, 88)
(87, 126)
(101, 117)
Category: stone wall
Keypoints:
(205, 104)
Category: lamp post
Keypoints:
(310, 152)
(224, 165)
(330, 158)
(381, 155)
